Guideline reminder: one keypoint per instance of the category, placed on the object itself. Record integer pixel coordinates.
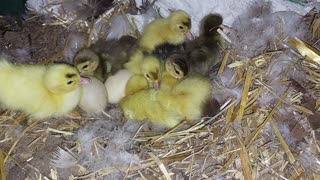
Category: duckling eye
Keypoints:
(85, 66)
(147, 75)
(177, 72)
(69, 82)
(180, 27)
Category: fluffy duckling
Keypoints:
(187, 98)
(147, 66)
(38, 90)
(176, 68)
(94, 97)
(105, 58)
(203, 52)
(136, 83)
(143, 105)
(116, 85)
(89, 63)
(173, 30)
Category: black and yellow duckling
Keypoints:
(176, 68)
(105, 58)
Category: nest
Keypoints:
(247, 139)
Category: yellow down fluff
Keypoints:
(39, 90)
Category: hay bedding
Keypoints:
(267, 127)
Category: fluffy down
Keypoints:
(116, 85)
(38, 90)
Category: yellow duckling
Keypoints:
(143, 105)
(39, 90)
(136, 83)
(147, 66)
(187, 98)
(173, 30)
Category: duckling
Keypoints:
(136, 83)
(173, 30)
(105, 58)
(143, 105)
(187, 98)
(38, 90)
(203, 52)
(94, 97)
(185, 101)
(89, 63)
(116, 85)
(176, 68)
(148, 66)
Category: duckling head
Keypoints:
(86, 61)
(150, 68)
(180, 22)
(210, 24)
(61, 78)
(177, 66)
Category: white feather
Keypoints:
(63, 159)
(119, 26)
(44, 7)
(114, 151)
(74, 43)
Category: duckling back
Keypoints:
(187, 98)
(115, 53)
(143, 105)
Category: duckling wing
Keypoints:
(203, 55)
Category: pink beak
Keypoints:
(156, 85)
(84, 80)
(189, 35)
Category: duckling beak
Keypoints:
(189, 35)
(84, 80)
(156, 85)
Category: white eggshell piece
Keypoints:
(116, 85)
(94, 97)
